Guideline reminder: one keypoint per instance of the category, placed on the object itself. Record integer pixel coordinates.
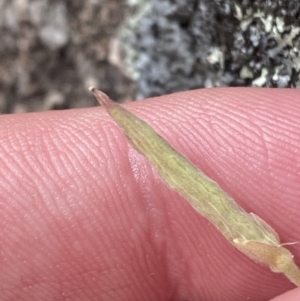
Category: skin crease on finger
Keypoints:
(83, 216)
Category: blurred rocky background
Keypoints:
(52, 51)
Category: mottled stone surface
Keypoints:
(180, 45)
(52, 50)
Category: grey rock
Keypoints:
(55, 32)
(52, 50)
(180, 45)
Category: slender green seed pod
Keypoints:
(246, 231)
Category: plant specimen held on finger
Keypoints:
(246, 231)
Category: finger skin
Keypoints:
(293, 295)
(83, 216)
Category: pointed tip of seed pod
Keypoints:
(101, 97)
